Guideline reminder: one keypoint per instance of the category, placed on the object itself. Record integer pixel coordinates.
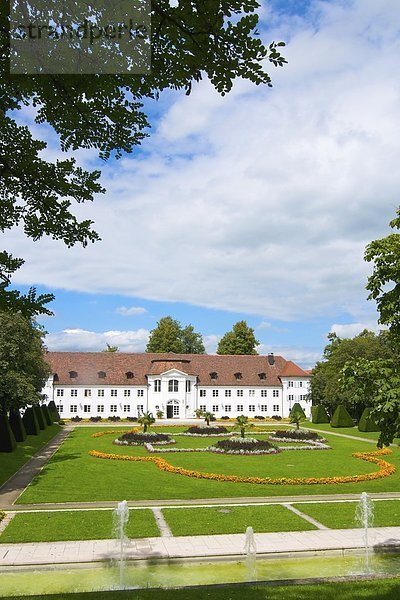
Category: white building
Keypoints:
(90, 384)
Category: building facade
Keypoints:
(103, 384)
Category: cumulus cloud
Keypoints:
(81, 340)
(349, 330)
(131, 311)
(301, 355)
(260, 202)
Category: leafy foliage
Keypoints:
(104, 112)
(242, 424)
(146, 419)
(23, 370)
(208, 416)
(241, 340)
(384, 283)
(326, 388)
(170, 336)
(367, 422)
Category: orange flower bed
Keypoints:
(112, 431)
(385, 469)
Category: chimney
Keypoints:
(271, 359)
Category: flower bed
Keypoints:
(244, 446)
(212, 430)
(138, 439)
(385, 469)
(150, 448)
(297, 434)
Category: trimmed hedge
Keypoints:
(39, 416)
(53, 411)
(341, 417)
(7, 439)
(319, 414)
(30, 422)
(366, 422)
(46, 415)
(17, 426)
(297, 408)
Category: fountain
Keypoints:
(364, 518)
(120, 518)
(250, 550)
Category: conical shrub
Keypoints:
(39, 416)
(55, 415)
(341, 417)
(17, 426)
(30, 422)
(46, 415)
(7, 439)
(367, 422)
(297, 408)
(319, 414)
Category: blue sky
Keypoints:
(255, 206)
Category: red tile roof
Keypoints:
(116, 365)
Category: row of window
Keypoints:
(173, 386)
(100, 393)
(296, 384)
(301, 397)
(239, 408)
(239, 393)
(87, 408)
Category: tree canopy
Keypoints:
(326, 388)
(170, 336)
(23, 370)
(384, 283)
(215, 39)
(241, 340)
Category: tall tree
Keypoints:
(170, 336)
(326, 388)
(384, 283)
(241, 340)
(216, 39)
(23, 370)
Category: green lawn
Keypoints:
(76, 525)
(372, 435)
(341, 515)
(73, 475)
(382, 589)
(11, 462)
(233, 519)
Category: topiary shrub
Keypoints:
(225, 418)
(46, 415)
(319, 414)
(39, 416)
(297, 408)
(76, 419)
(55, 415)
(134, 419)
(17, 426)
(341, 417)
(367, 422)
(95, 419)
(7, 439)
(276, 417)
(260, 417)
(113, 418)
(30, 422)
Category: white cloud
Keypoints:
(350, 330)
(302, 356)
(261, 202)
(81, 340)
(211, 343)
(131, 311)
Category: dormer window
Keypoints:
(73, 374)
(214, 375)
(238, 375)
(129, 375)
(56, 377)
(101, 375)
(262, 375)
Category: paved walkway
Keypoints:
(198, 546)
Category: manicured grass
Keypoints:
(11, 462)
(73, 475)
(382, 589)
(341, 515)
(233, 519)
(76, 525)
(371, 435)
